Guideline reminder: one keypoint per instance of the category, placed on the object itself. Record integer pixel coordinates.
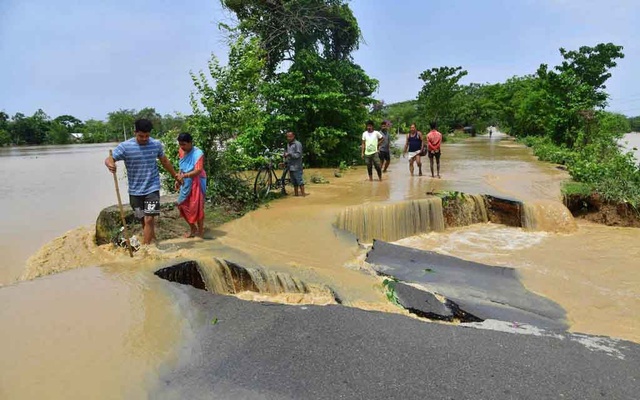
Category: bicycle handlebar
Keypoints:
(268, 153)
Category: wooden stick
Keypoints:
(124, 222)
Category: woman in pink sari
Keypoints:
(194, 185)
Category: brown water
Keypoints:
(113, 326)
(45, 191)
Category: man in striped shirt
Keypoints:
(139, 155)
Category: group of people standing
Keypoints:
(376, 150)
(141, 152)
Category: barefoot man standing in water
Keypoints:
(434, 140)
(413, 147)
(139, 155)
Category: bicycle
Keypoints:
(267, 179)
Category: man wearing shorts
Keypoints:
(371, 141)
(139, 155)
(434, 140)
(413, 147)
(385, 148)
(293, 156)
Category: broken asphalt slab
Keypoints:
(475, 290)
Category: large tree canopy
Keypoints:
(285, 27)
(308, 82)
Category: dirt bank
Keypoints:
(594, 209)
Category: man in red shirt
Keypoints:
(434, 140)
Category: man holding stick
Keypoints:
(139, 155)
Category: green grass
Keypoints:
(576, 188)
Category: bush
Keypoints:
(597, 166)
(546, 150)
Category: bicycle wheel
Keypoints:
(262, 185)
(284, 181)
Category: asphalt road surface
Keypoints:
(237, 349)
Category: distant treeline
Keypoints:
(64, 129)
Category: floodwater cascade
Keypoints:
(548, 216)
(464, 209)
(392, 221)
(224, 277)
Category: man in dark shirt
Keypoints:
(385, 148)
(293, 156)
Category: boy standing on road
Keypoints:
(139, 155)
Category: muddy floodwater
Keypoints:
(87, 321)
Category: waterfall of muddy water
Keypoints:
(477, 209)
(471, 210)
(593, 273)
(392, 221)
(547, 215)
(220, 278)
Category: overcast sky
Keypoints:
(86, 58)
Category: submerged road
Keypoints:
(249, 350)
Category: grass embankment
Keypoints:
(596, 168)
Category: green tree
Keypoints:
(634, 124)
(58, 134)
(402, 114)
(71, 123)
(325, 103)
(95, 131)
(573, 90)
(285, 27)
(321, 94)
(29, 130)
(5, 137)
(152, 115)
(227, 106)
(438, 92)
(120, 124)
(174, 123)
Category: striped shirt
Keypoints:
(140, 161)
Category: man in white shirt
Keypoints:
(370, 143)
